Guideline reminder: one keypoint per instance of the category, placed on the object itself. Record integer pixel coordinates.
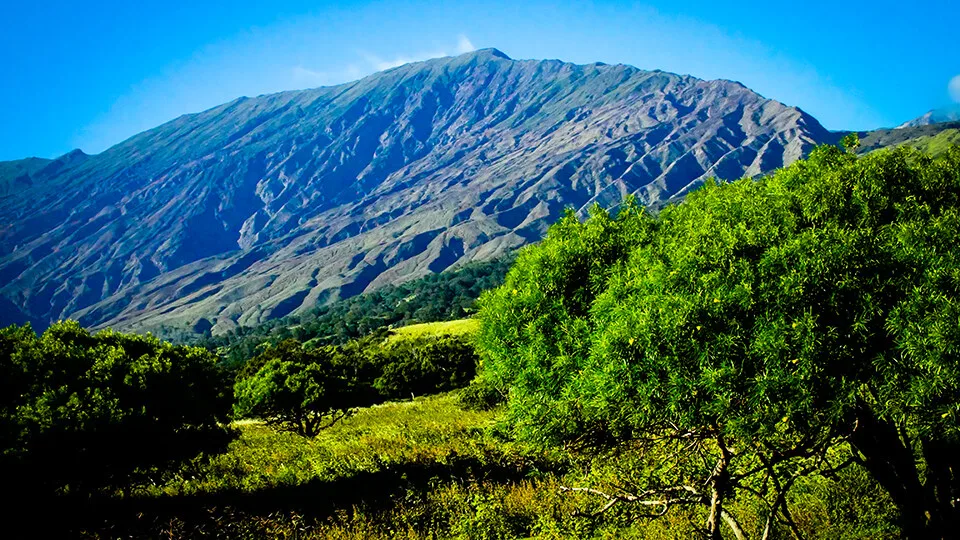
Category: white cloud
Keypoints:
(954, 88)
(305, 77)
(464, 45)
(380, 64)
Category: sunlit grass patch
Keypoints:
(459, 327)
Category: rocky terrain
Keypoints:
(265, 206)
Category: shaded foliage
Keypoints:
(423, 469)
(84, 411)
(307, 389)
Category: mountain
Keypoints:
(936, 116)
(268, 206)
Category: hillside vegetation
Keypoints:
(933, 139)
(445, 296)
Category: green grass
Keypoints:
(459, 327)
(430, 469)
(937, 144)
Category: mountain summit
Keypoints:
(265, 206)
(935, 116)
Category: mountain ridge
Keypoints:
(935, 116)
(266, 206)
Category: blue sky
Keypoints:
(90, 74)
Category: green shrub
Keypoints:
(424, 365)
(480, 395)
(300, 390)
(85, 411)
(306, 389)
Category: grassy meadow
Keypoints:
(431, 468)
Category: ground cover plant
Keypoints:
(428, 468)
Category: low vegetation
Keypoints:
(82, 412)
(307, 389)
(425, 469)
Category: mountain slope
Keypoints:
(267, 206)
(936, 116)
(931, 138)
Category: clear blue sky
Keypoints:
(90, 74)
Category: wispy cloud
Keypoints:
(378, 63)
(305, 77)
(954, 88)
(464, 45)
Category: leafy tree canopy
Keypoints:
(306, 389)
(775, 317)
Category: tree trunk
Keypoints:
(941, 481)
(893, 466)
(720, 480)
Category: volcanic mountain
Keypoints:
(267, 206)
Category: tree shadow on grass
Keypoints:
(235, 513)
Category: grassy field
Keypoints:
(459, 327)
(937, 144)
(431, 469)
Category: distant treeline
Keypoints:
(437, 297)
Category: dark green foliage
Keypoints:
(773, 318)
(301, 390)
(480, 395)
(438, 297)
(424, 365)
(307, 389)
(85, 411)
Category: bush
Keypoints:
(480, 395)
(424, 365)
(86, 411)
(300, 390)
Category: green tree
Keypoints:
(85, 411)
(425, 365)
(301, 390)
(764, 321)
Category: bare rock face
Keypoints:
(265, 206)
